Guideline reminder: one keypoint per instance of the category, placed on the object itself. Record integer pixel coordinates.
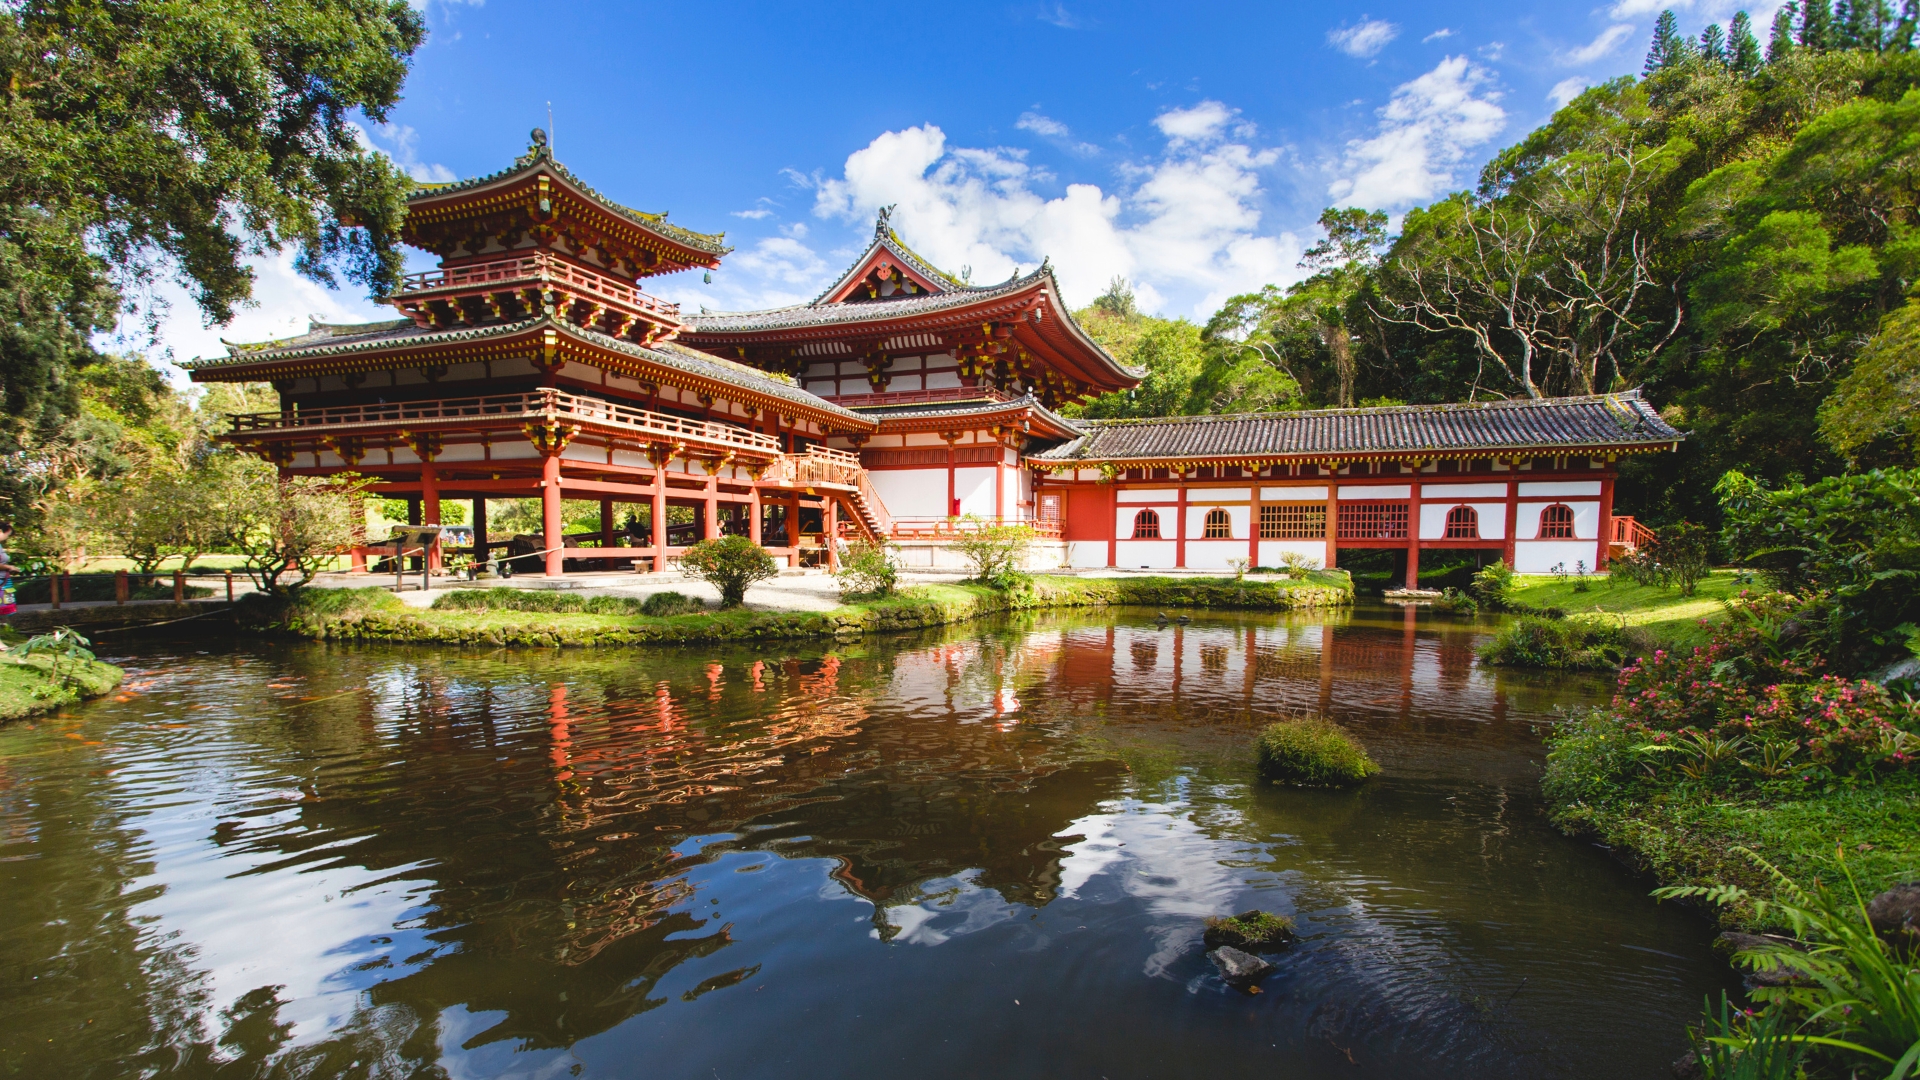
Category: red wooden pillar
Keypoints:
(479, 530)
(953, 491)
(999, 483)
(1513, 512)
(1333, 522)
(606, 523)
(1253, 530)
(1113, 523)
(1413, 533)
(358, 534)
(430, 506)
(710, 525)
(553, 526)
(660, 518)
(1180, 528)
(1606, 522)
(754, 524)
(830, 514)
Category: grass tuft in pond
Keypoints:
(1564, 644)
(1254, 931)
(1312, 751)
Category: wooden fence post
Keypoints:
(120, 587)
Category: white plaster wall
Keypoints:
(974, 488)
(1539, 556)
(631, 459)
(301, 460)
(942, 380)
(912, 493)
(1566, 487)
(1213, 554)
(1314, 550)
(1433, 519)
(1586, 520)
(470, 451)
(1086, 554)
(1152, 554)
(1374, 492)
(1459, 493)
(514, 450)
(1148, 495)
(1212, 496)
(1197, 521)
(401, 455)
(1293, 494)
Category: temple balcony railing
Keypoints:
(949, 528)
(542, 408)
(475, 292)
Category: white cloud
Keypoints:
(1042, 125)
(1058, 15)
(282, 303)
(1627, 9)
(1426, 131)
(1437, 35)
(402, 145)
(755, 214)
(1363, 39)
(1566, 90)
(1609, 40)
(1187, 228)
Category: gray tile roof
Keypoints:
(960, 410)
(325, 340)
(540, 156)
(819, 314)
(1563, 424)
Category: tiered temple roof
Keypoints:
(1604, 424)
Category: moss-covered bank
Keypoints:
(376, 615)
(32, 686)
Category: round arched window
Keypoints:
(1556, 522)
(1219, 526)
(1146, 525)
(1463, 523)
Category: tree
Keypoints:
(1879, 400)
(997, 553)
(287, 525)
(1816, 25)
(730, 564)
(1668, 48)
(144, 139)
(1780, 38)
(1713, 45)
(1743, 52)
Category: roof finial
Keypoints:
(883, 223)
(539, 145)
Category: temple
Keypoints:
(901, 404)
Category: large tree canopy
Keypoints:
(149, 139)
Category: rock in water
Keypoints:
(1241, 969)
(1252, 931)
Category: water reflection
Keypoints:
(332, 861)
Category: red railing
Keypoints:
(537, 268)
(1630, 534)
(537, 405)
(919, 397)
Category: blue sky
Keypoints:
(1188, 147)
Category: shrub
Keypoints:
(1312, 751)
(1565, 644)
(1685, 551)
(729, 564)
(997, 553)
(1295, 564)
(1492, 583)
(663, 604)
(868, 570)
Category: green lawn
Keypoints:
(1664, 612)
(29, 687)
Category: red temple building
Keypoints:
(902, 403)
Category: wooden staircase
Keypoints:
(1628, 537)
(839, 475)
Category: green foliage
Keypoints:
(1849, 999)
(289, 525)
(1576, 644)
(666, 604)
(997, 552)
(729, 564)
(1313, 752)
(1854, 541)
(148, 140)
(868, 570)
(1255, 931)
(1875, 411)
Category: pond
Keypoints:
(988, 850)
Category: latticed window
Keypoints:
(1146, 525)
(1463, 523)
(1219, 526)
(1556, 522)
(1293, 521)
(1373, 521)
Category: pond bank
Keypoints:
(1662, 614)
(376, 615)
(32, 686)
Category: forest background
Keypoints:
(1733, 233)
